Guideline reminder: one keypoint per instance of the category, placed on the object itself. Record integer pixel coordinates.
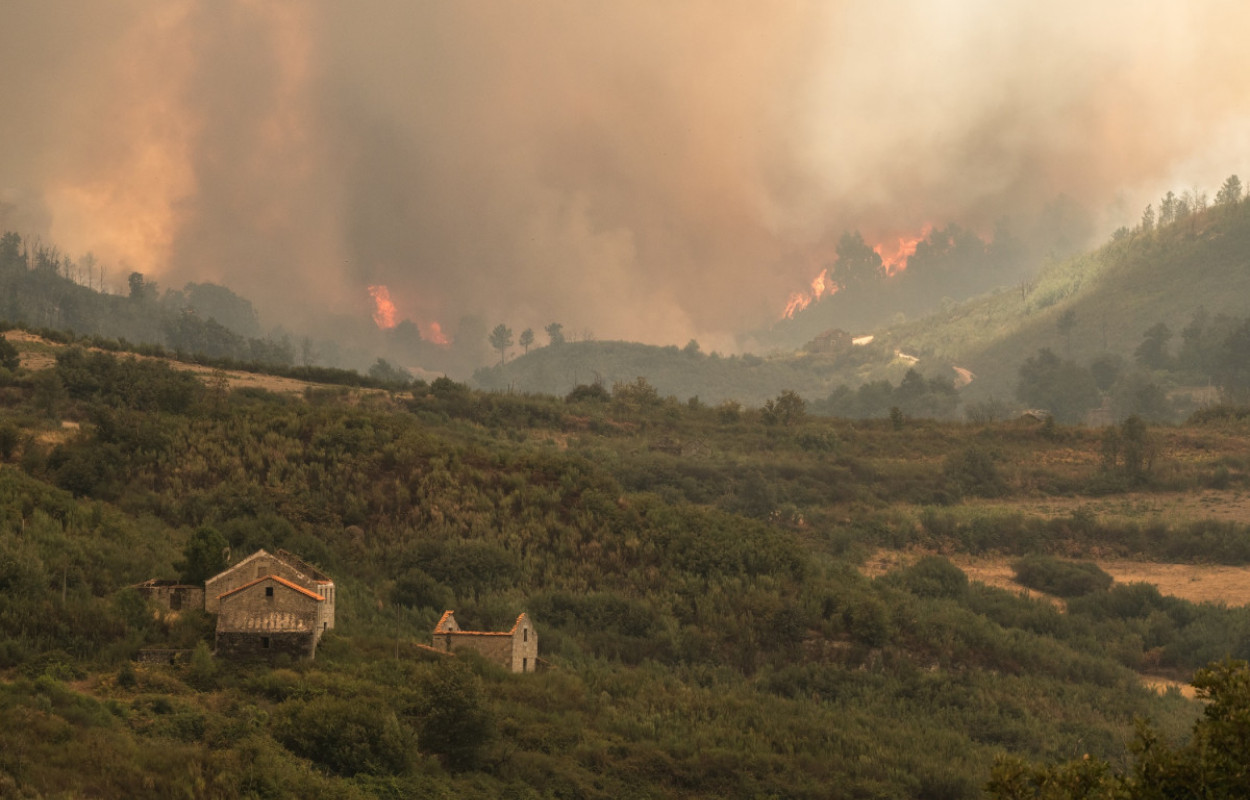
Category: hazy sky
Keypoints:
(646, 170)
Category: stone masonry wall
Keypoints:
(257, 567)
(497, 648)
(524, 644)
(175, 597)
(240, 611)
(252, 646)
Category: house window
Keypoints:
(264, 642)
(268, 591)
(525, 634)
(525, 662)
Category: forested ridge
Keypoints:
(1141, 325)
(693, 572)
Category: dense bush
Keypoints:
(972, 472)
(933, 576)
(1062, 578)
(346, 736)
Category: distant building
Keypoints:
(832, 341)
(515, 649)
(1102, 416)
(269, 604)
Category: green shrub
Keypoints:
(972, 472)
(933, 576)
(346, 736)
(1062, 578)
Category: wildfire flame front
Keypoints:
(384, 309)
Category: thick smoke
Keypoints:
(646, 170)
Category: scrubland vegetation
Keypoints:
(693, 573)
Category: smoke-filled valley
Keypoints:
(630, 171)
(806, 399)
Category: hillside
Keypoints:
(1095, 305)
(697, 578)
(1113, 295)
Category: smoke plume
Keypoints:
(647, 170)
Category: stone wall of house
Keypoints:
(242, 610)
(245, 646)
(494, 646)
(524, 641)
(266, 619)
(245, 572)
(325, 610)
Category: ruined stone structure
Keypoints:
(516, 649)
(163, 655)
(832, 341)
(172, 595)
(269, 604)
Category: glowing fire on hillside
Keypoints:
(384, 309)
(894, 257)
(821, 286)
(434, 333)
(386, 317)
(893, 261)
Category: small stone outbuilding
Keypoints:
(515, 649)
(269, 604)
(171, 595)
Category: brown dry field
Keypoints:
(1194, 582)
(1171, 507)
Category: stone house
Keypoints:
(515, 649)
(268, 604)
(171, 595)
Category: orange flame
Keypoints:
(434, 333)
(894, 258)
(821, 287)
(797, 303)
(384, 311)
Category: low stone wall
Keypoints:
(163, 656)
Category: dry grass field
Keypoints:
(1197, 583)
(38, 353)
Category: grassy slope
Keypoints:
(663, 553)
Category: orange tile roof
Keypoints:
(475, 633)
(280, 580)
(443, 621)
